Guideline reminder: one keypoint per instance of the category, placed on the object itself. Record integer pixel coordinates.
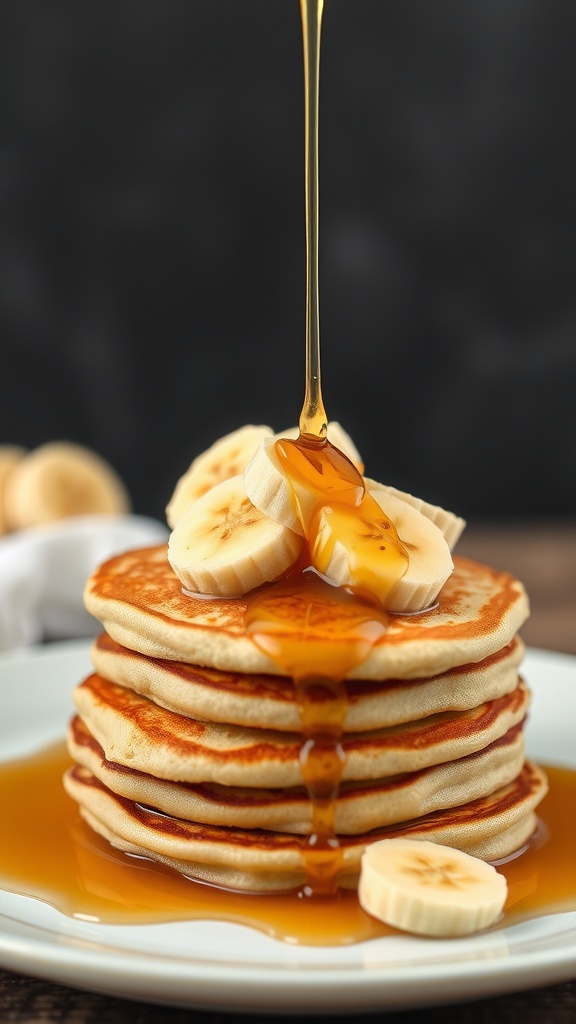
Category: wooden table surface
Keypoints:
(545, 559)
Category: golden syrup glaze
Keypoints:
(287, 621)
(53, 856)
(333, 508)
(317, 633)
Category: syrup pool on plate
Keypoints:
(55, 857)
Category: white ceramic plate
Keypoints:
(230, 967)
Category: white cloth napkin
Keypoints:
(43, 572)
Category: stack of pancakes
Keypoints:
(187, 747)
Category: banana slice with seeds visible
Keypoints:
(429, 560)
(225, 546)
(338, 544)
(429, 889)
(267, 485)
(225, 458)
(340, 538)
(451, 525)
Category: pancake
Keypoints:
(135, 731)
(270, 701)
(188, 739)
(360, 807)
(491, 827)
(139, 600)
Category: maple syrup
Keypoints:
(323, 632)
(53, 856)
(316, 633)
(313, 419)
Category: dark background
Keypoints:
(152, 256)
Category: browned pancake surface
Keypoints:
(136, 732)
(140, 601)
(270, 701)
(359, 807)
(491, 827)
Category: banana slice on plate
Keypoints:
(59, 480)
(450, 524)
(225, 458)
(10, 456)
(429, 889)
(225, 547)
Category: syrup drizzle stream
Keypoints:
(313, 417)
(321, 756)
(314, 632)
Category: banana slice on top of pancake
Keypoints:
(449, 524)
(346, 543)
(227, 541)
(225, 458)
(429, 560)
(224, 546)
(268, 486)
(269, 490)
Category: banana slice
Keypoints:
(224, 546)
(267, 486)
(225, 458)
(341, 546)
(266, 483)
(450, 524)
(10, 456)
(60, 479)
(429, 560)
(428, 889)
